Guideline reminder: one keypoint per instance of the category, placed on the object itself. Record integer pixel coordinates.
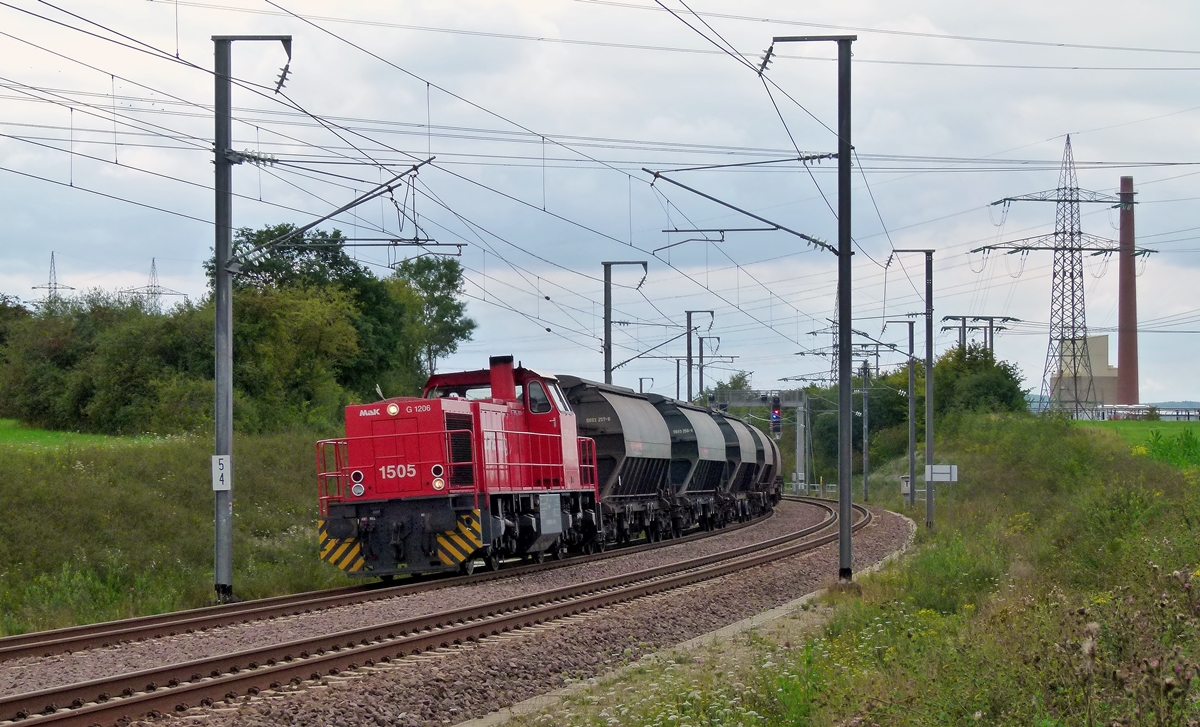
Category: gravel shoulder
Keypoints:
(34, 673)
(455, 685)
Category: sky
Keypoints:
(541, 117)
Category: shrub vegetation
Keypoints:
(313, 330)
(965, 380)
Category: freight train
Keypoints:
(507, 462)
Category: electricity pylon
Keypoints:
(52, 285)
(1067, 378)
(153, 292)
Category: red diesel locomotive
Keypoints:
(490, 464)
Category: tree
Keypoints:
(971, 379)
(737, 381)
(441, 323)
(11, 311)
(387, 326)
(317, 258)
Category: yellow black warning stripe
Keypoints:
(345, 554)
(455, 546)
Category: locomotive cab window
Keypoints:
(470, 393)
(559, 399)
(539, 403)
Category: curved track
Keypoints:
(177, 687)
(78, 638)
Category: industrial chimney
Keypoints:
(1127, 343)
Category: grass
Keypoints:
(101, 528)
(13, 432)
(1136, 431)
(1176, 443)
(1058, 592)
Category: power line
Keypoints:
(105, 194)
(912, 33)
(695, 51)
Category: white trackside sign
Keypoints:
(222, 472)
(941, 473)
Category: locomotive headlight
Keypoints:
(436, 470)
(358, 490)
(393, 409)
(356, 476)
(438, 483)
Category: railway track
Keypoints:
(177, 687)
(79, 638)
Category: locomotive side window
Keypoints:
(559, 399)
(539, 403)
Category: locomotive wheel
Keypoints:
(468, 567)
(493, 562)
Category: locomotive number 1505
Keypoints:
(392, 472)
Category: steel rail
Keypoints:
(203, 681)
(90, 636)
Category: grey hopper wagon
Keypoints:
(633, 444)
(741, 456)
(697, 449)
(767, 454)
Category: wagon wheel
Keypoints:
(493, 561)
(468, 567)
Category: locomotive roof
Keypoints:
(482, 376)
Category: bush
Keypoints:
(970, 379)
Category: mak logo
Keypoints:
(368, 412)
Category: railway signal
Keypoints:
(776, 418)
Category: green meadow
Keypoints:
(102, 528)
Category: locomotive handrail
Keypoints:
(532, 460)
(527, 460)
(326, 476)
(587, 461)
(332, 479)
